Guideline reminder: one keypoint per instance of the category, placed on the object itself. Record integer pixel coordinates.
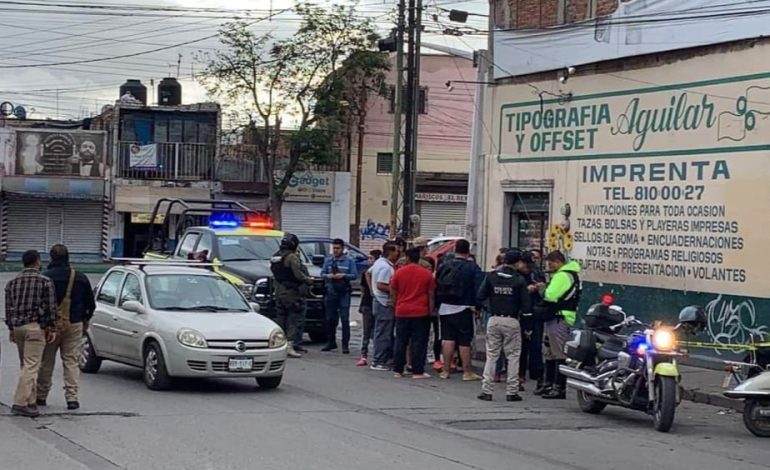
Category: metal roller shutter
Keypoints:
(82, 228)
(306, 219)
(38, 224)
(435, 216)
(27, 227)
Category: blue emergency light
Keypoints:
(223, 220)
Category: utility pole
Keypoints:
(398, 99)
(409, 128)
(472, 209)
(360, 156)
(411, 178)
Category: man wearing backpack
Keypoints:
(76, 305)
(457, 283)
(559, 311)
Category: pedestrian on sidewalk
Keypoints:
(559, 312)
(506, 291)
(531, 361)
(76, 305)
(30, 314)
(412, 291)
(365, 308)
(338, 271)
(381, 274)
(457, 284)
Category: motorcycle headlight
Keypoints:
(663, 340)
(277, 339)
(191, 338)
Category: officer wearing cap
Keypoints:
(422, 244)
(291, 283)
(506, 291)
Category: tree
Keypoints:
(270, 81)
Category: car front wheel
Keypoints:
(269, 383)
(155, 374)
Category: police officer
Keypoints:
(559, 311)
(531, 329)
(508, 297)
(291, 285)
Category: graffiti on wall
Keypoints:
(375, 231)
(732, 322)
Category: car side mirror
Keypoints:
(133, 306)
(254, 306)
(318, 260)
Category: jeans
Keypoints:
(338, 308)
(368, 320)
(383, 333)
(531, 350)
(411, 332)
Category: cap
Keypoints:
(420, 242)
(513, 256)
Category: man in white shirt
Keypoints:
(381, 273)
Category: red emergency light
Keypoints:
(608, 299)
(262, 222)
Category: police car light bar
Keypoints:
(160, 262)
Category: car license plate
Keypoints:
(240, 364)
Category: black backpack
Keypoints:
(451, 282)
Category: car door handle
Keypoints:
(115, 317)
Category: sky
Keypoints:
(66, 59)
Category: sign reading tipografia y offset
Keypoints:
(673, 181)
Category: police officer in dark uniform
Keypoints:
(532, 328)
(291, 287)
(508, 297)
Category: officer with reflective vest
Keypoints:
(291, 287)
(559, 312)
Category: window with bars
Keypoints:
(422, 100)
(384, 163)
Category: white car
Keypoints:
(179, 321)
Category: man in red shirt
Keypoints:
(412, 288)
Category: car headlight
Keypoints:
(191, 338)
(663, 340)
(277, 339)
(261, 288)
(247, 289)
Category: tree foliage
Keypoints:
(283, 89)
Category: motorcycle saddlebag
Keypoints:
(581, 346)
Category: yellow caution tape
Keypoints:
(724, 347)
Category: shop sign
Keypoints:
(55, 188)
(441, 197)
(144, 218)
(311, 186)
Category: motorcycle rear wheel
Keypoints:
(589, 405)
(665, 406)
(756, 425)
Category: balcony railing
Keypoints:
(166, 161)
(240, 163)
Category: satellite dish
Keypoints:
(20, 112)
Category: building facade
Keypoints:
(444, 130)
(650, 170)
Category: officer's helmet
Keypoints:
(289, 241)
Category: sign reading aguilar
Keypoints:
(668, 185)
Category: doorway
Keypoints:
(528, 219)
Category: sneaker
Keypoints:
(329, 347)
(485, 397)
(25, 411)
(398, 375)
(300, 349)
(437, 365)
(379, 367)
(362, 362)
(424, 375)
(73, 405)
(471, 378)
(444, 375)
(556, 393)
(542, 388)
(513, 397)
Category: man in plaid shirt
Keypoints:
(30, 313)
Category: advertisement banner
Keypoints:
(60, 153)
(143, 157)
(311, 186)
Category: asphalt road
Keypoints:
(330, 414)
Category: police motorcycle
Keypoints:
(753, 387)
(636, 371)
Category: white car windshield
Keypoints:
(193, 292)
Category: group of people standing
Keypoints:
(46, 314)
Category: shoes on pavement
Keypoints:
(25, 411)
(444, 375)
(380, 367)
(73, 405)
(471, 378)
(437, 365)
(300, 349)
(345, 350)
(292, 352)
(521, 387)
(485, 397)
(424, 375)
(513, 397)
(362, 362)
(329, 347)
(542, 388)
(555, 393)
(41, 402)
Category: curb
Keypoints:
(713, 399)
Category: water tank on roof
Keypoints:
(136, 89)
(169, 92)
